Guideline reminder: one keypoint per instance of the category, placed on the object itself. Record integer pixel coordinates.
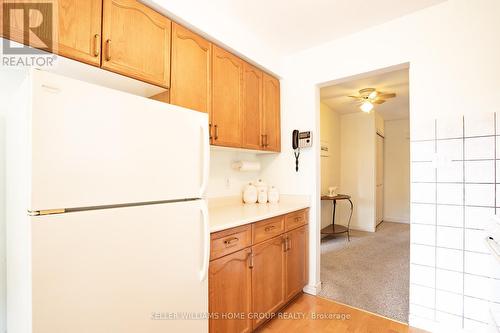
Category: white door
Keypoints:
(94, 146)
(380, 180)
(121, 270)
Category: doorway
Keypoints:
(365, 156)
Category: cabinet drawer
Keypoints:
(296, 219)
(229, 241)
(268, 229)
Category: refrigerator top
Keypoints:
(91, 146)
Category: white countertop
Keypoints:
(230, 212)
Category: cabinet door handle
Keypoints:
(216, 136)
(210, 131)
(288, 243)
(266, 143)
(269, 228)
(96, 45)
(262, 140)
(250, 257)
(285, 243)
(231, 241)
(108, 50)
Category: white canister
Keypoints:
(273, 195)
(261, 185)
(250, 194)
(262, 196)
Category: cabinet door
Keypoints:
(230, 292)
(252, 107)
(268, 277)
(296, 261)
(80, 30)
(271, 123)
(191, 55)
(136, 41)
(227, 95)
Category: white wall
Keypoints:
(450, 51)
(330, 165)
(357, 167)
(225, 181)
(397, 171)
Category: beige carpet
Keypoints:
(371, 272)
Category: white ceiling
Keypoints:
(292, 25)
(336, 96)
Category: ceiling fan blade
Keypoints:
(379, 101)
(389, 95)
(357, 97)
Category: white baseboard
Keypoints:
(312, 289)
(395, 219)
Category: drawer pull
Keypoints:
(231, 241)
(297, 219)
(269, 228)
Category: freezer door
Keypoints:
(126, 270)
(94, 146)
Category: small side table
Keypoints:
(334, 229)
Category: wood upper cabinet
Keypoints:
(252, 107)
(191, 62)
(136, 41)
(80, 30)
(268, 277)
(296, 261)
(227, 87)
(271, 111)
(230, 291)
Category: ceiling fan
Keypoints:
(370, 96)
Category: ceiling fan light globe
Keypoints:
(366, 107)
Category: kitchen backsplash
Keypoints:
(224, 180)
(455, 175)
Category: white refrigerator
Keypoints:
(107, 229)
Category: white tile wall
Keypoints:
(450, 194)
(480, 171)
(423, 234)
(423, 213)
(423, 172)
(454, 194)
(480, 195)
(451, 238)
(478, 217)
(479, 148)
(423, 275)
(450, 216)
(449, 259)
(449, 281)
(449, 302)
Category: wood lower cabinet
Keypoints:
(230, 292)
(296, 261)
(259, 279)
(268, 277)
(191, 63)
(271, 110)
(227, 72)
(136, 41)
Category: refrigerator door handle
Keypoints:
(205, 149)
(206, 243)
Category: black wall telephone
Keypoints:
(296, 148)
